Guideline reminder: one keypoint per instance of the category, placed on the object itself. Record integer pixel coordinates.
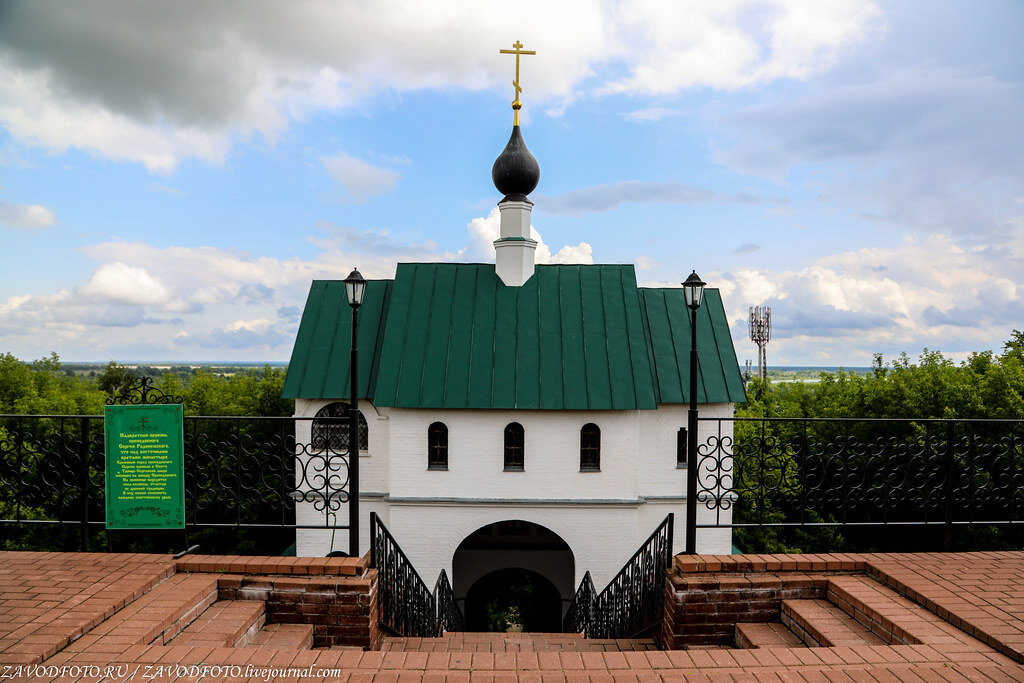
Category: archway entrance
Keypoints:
(513, 574)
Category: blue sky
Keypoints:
(173, 175)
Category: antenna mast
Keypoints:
(759, 324)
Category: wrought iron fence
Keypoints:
(807, 472)
(632, 602)
(449, 616)
(240, 472)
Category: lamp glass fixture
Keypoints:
(693, 290)
(355, 288)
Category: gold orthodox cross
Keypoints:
(516, 104)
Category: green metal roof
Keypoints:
(447, 335)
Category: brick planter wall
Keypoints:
(704, 609)
(342, 610)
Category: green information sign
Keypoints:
(145, 471)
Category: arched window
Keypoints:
(437, 446)
(514, 447)
(590, 448)
(333, 434)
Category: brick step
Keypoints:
(291, 637)
(468, 641)
(154, 618)
(819, 623)
(225, 623)
(765, 635)
(895, 619)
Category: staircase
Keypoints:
(416, 619)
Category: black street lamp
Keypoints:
(355, 287)
(693, 293)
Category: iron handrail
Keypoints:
(449, 616)
(579, 616)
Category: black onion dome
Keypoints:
(515, 171)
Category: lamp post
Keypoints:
(355, 287)
(693, 293)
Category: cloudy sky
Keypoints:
(173, 174)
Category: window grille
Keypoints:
(333, 435)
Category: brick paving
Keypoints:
(49, 599)
(284, 637)
(820, 623)
(517, 642)
(226, 623)
(948, 617)
(767, 634)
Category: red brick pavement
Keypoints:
(49, 599)
(982, 593)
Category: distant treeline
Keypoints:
(986, 385)
(48, 387)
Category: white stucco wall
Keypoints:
(603, 516)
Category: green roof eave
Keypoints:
(668, 332)
(453, 336)
(319, 366)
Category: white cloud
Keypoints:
(581, 253)
(216, 298)
(156, 85)
(359, 179)
(930, 292)
(126, 284)
(258, 325)
(28, 216)
(732, 44)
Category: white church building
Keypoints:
(513, 414)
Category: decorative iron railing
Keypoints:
(804, 472)
(449, 616)
(405, 606)
(632, 602)
(239, 472)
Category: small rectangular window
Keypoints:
(437, 446)
(514, 438)
(681, 447)
(590, 448)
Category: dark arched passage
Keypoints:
(536, 565)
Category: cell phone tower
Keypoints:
(759, 324)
